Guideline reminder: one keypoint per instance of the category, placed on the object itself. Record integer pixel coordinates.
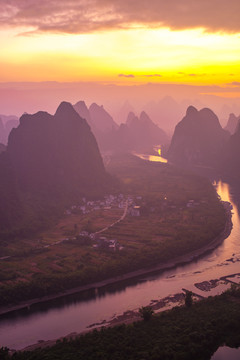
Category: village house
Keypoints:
(134, 211)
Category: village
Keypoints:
(127, 203)
(131, 205)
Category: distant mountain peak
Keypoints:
(131, 117)
(101, 119)
(95, 106)
(233, 123)
(191, 111)
(65, 108)
(144, 117)
(81, 103)
(208, 112)
(82, 109)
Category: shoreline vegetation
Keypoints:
(184, 333)
(183, 259)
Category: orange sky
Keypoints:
(125, 42)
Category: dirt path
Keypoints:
(116, 222)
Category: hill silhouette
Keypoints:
(50, 161)
(198, 139)
(56, 152)
(6, 125)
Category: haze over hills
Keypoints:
(165, 112)
(82, 109)
(51, 160)
(59, 155)
(12, 210)
(7, 123)
(230, 164)
(121, 113)
(136, 134)
(198, 139)
(2, 131)
(232, 124)
(98, 118)
(29, 97)
(100, 121)
(2, 148)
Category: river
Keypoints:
(76, 312)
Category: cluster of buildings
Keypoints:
(107, 203)
(117, 201)
(103, 243)
(127, 203)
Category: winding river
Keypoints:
(76, 312)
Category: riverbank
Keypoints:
(131, 316)
(128, 317)
(160, 267)
(197, 332)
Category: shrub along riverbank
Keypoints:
(179, 334)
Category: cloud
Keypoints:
(133, 76)
(192, 74)
(126, 76)
(86, 16)
(153, 75)
(235, 83)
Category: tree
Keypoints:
(146, 312)
(188, 298)
(4, 353)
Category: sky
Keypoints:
(121, 41)
(110, 51)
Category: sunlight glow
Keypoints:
(159, 55)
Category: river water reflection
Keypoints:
(76, 312)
